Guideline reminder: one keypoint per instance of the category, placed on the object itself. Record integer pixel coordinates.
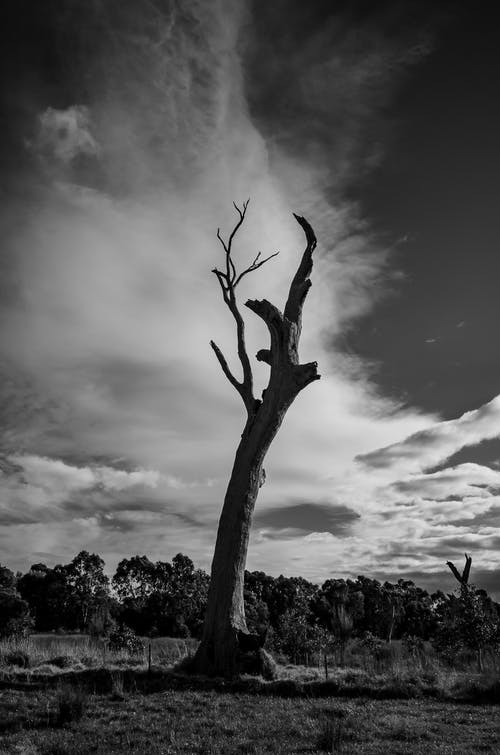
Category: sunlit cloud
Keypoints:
(119, 425)
(430, 447)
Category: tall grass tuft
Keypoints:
(332, 735)
(117, 687)
(71, 703)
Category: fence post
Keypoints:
(149, 658)
(326, 666)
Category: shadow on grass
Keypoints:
(103, 681)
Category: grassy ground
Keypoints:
(210, 722)
(65, 695)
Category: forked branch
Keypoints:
(284, 329)
(228, 280)
(463, 578)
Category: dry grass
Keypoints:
(49, 653)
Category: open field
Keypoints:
(65, 694)
(208, 722)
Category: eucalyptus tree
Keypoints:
(226, 642)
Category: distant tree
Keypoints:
(161, 598)
(48, 595)
(468, 623)
(289, 594)
(225, 641)
(337, 605)
(374, 618)
(88, 585)
(470, 618)
(394, 606)
(462, 578)
(134, 578)
(179, 599)
(417, 618)
(15, 619)
(297, 637)
(8, 580)
(257, 613)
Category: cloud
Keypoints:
(55, 476)
(463, 481)
(429, 447)
(37, 489)
(65, 134)
(305, 518)
(112, 405)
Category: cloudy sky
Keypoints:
(128, 129)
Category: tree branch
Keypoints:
(466, 572)
(228, 281)
(306, 373)
(254, 266)
(301, 282)
(225, 368)
(454, 571)
(288, 376)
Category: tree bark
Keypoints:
(227, 648)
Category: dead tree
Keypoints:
(225, 646)
(462, 579)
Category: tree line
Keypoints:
(291, 614)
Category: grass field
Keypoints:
(212, 723)
(65, 694)
(46, 652)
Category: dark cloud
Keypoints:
(297, 519)
(486, 453)
(425, 449)
(447, 149)
(15, 518)
(319, 83)
(469, 543)
(489, 518)
(284, 533)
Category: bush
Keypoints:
(18, 658)
(413, 645)
(15, 619)
(61, 661)
(126, 639)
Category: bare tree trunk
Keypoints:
(480, 666)
(227, 648)
(225, 617)
(391, 624)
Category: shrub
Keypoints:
(126, 639)
(413, 645)
(18, 658)
(371, 643)
(15, 619)
(258, 662)
(61, 661)
(269, 669)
